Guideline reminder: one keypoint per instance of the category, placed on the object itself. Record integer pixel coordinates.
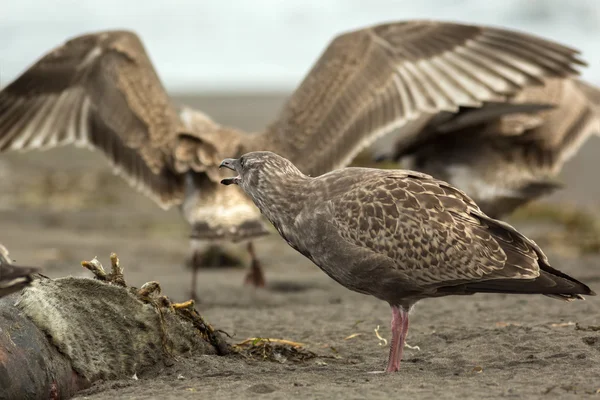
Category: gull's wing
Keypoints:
(565, 128)
(98, 91)
(514, 156)
(399, 75)
(550, 136)
(436, 237)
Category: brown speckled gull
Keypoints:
(13, 277)
(398, 235)
(100, 91)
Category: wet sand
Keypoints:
(60, 207)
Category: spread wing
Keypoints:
(98, 91)
(399, 75)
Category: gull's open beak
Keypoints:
(229, 163)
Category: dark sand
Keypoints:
(60, 207)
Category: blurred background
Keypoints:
(265, 45)
(237, 61)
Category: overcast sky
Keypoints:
(201, 45)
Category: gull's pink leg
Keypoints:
(399, 331)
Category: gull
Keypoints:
(398, 235)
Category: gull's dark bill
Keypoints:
(230, 181)
(230, 163)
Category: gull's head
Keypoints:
(259, 170)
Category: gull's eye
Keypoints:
(242, 160)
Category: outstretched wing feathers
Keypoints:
(374, 80)
(97, 91)
(100, 91)
(403, 216)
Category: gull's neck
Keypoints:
(283, 200)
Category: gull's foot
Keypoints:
(393, 368)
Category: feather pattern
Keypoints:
(97, 91)
(514, 152)
(100, 91)
(374, 80)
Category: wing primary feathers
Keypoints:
(425, 67)
(99, 91)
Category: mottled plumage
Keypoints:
(13, 277)
(398, 235)
(507, 154)
(100, 91)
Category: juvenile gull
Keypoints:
(13, 277)
(100, 91)
(398, 235)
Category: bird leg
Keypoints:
(214, 256)
(255, 276)
(195, 264)
(399, 332)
